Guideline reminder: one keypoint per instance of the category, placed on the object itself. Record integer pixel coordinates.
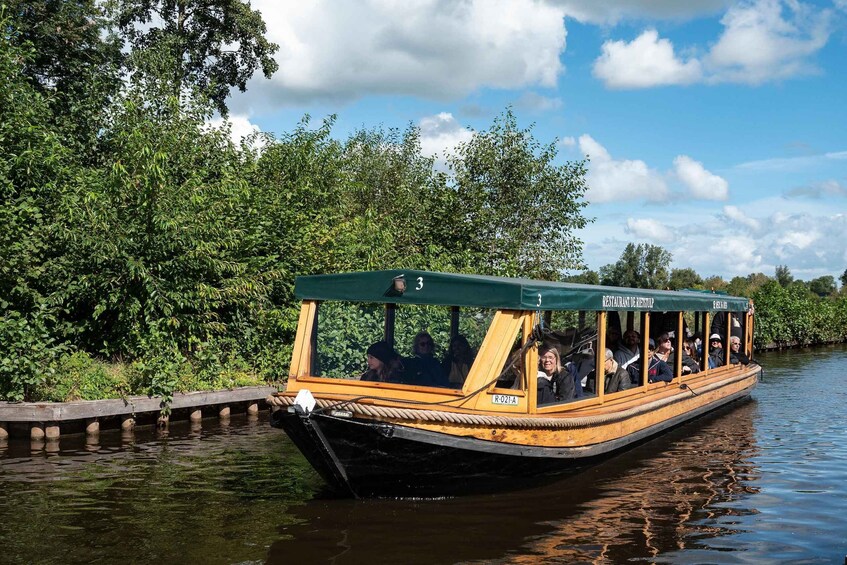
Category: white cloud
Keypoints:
(735, 214)
(612, 180)
(343, 50)
(760, 42)
(648, 229)
(759, 45)
(791, 241)
(535, 102)
(613, 11)
(440, 135)
(738, 255)
(646, 61)
(702, 184)
(239, 126)
(791, 164)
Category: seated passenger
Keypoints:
(735, 354)
(555, 382)
(657, 370)
(457, 363)
(423, 369)
(617, 378)
(666, 352)
(384, 364)
(716, 357)
(628, 350)
(689, 347)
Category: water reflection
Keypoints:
(667, 495)
(763, 481)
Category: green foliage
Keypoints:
(795, 316)
(823, 286)
(519, 209)
(640, 266)
(28, 353)
(80, 377)
(585, 277)
(714, 282)
(684, 278)
(783, 275)
(209, 47)
(74, 64)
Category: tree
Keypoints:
(843, 279)
(714, 282)
(823, 286)
(586, 277)
(641, 266)
(209, 46)
(520, 209)
(684, 278)
(783, 276)
(74, 63)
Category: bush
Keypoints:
(79, 377)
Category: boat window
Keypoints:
(344, 333)
(511, 375)
(574, 336)
(427, 345)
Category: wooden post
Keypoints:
(52, 431)
(196, 415)
(600, 357)
(127, 422)
(645, 346)
(4, 430)
(36, 431)
(224, 412)
(92, 427)
(253, 409)
(162, 422)
(677, 370)
(704, 362)
(727, 338)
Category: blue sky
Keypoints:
(715, 129)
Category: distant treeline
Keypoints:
(789, 312)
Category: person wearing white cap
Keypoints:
(716, 351)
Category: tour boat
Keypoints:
(478, 425)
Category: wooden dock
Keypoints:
(49, 420)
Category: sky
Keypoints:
(715, 129)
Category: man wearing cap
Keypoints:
(617, 378)
(715, 351)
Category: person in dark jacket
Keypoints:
(657, 370)
(384, 364)
(555, 381)
(716, 353)
(617, 378)
(423, 368)
(735, 354)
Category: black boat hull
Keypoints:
(365, 458)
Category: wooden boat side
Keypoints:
(567, 425)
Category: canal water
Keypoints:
(762, 481)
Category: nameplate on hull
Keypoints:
(505, 399)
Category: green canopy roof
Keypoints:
(451, 289)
